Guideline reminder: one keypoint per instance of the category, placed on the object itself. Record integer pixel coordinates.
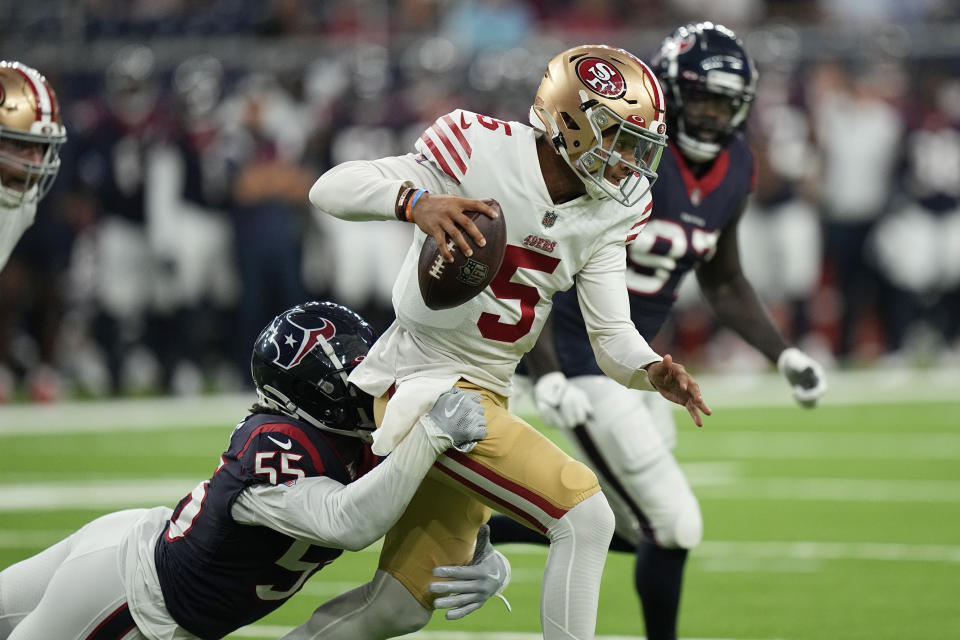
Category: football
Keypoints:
(443, 284)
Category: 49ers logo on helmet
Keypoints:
(602, 77)
(294, 341)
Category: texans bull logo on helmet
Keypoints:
(294, 341)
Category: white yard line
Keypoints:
(721, 550)
(274, 631)
(720, 482)
(100, 494)
(798, 550)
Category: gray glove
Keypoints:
(560, 403)
(474, 584)
(804, 374)
(456, 420)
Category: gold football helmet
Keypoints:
(596, 102)
(31, 134)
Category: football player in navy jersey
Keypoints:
(705, 177)
(296, 486)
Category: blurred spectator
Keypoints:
(916, 242)
(781, 225)
(739, 15)
(110, 156)
(265, 133)
(474, 25)
(190, 233)
(858, 132)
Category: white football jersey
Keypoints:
(550, 247)
(14, 220)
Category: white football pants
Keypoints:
(629, 445)
(72, 590)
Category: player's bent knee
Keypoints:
(593, 515)
(399, 610)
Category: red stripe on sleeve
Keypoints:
(459, 135)
(438, 158)
(449, 145)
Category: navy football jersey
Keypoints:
(217, 575)
(688, 215)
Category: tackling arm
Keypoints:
(327, 513)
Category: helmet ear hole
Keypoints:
(569, 121)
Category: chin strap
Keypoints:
(285, 405)
(696, 150)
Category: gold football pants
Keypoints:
(515, 470)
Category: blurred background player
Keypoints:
(31, 134)
(574, 190)
(627, 436)
(297, 485)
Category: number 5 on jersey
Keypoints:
(490, 325)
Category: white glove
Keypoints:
(456, 420)
(560, 403)
(473, 584)
(804, 374)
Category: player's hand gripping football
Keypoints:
(804, 374)
(676, 385)
(456, 420)
(443, 215)
(472, 585)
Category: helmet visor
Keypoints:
(624, 152)
(28, 163)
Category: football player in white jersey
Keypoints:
(627, 436)
(31, 134)
(574, 191)
(297, 484)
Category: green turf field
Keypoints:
(843, 522)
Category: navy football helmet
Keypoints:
(710, 83)
(300, 365)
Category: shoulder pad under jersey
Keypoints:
(449, 142)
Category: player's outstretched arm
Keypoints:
(323, 511)
(676, 385)
(737, 305)
(470, 586)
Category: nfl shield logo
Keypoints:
(548, 219)
(472, 272)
